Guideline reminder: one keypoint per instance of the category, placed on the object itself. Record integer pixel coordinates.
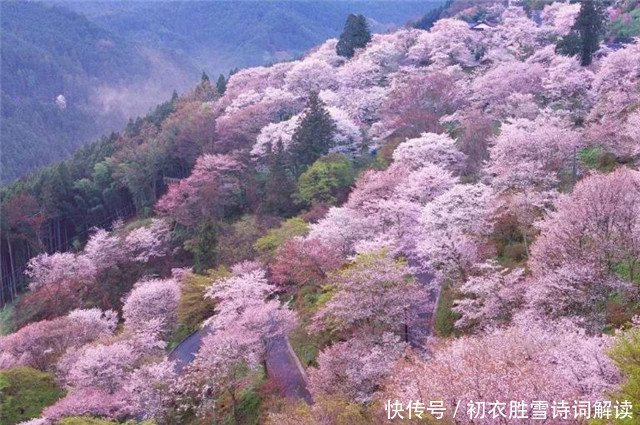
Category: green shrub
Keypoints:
(194, 307)
(597, 159)
(327, 181)
(235, 241)
(267, 245)
(626, 356)
(445, 320)
(24, 393)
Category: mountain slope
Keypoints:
(50, 51)
(114, 60)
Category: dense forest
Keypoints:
(38, 65)
(447, 213)
(113, 60)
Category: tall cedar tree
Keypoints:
(591, 25)
(203, 247)
(279, 185)
(221, 85)
(584, 39)
(314, 136)
(356, 34)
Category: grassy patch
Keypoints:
(444, 325)
(596, 158)
(307, 345)
(24, 393)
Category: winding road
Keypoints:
(284, 368)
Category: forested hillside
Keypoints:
(115, 60)
(447, 216)
(49, 52)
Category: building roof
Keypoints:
(481, 25)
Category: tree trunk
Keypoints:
(234, 406)
(526, 244)
(58, 235)
(12, 279)
(264, 364)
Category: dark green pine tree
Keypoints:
(204, 78)
(314, 136)
(356, 34)
(280, 185)
(203, 247)
(587, 31)
(221, 85)
(591, 26)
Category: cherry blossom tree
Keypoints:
(597, 223)
(575, 291)
(102, 366)
(495, 91)
(273, 133)
(236, 293)
(105, 249)
(36, 421)
(256, 78)
(245, 267)
(40, 344)
(341, 228)
(212, 186)
(449, 42)
(453, 227)
(355, 369)
(225, 364)
(491, 297)
(519, 34)
(243, 309)
(373, 295)
(614, 87)
(531, 153)
(310, 75)
(560, 16)
(90, 401)
(326, 52)
(152, 299)
(347, 136)
(566, 84)
(149, 241)
(363, 105)
(417, 102)
(520, 363)
(304, 262)
(372, 185)
(59, 269)
(429, 148)
(150, 388)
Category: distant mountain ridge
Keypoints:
(113, 59)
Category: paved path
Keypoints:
(286, 372)
(422, 327)
(185, 352)
(284, 368)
